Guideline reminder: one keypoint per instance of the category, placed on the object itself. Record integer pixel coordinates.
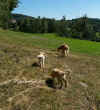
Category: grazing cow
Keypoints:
(41, 59)
(61, 76)
(64, 48)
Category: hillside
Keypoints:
(23, 86)
(95, 22)
(21, 16)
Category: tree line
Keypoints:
(81, 28)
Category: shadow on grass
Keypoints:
(35, 64)
(50, 83)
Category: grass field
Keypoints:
(50, 41)
(23, 86)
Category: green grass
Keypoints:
(50, 41)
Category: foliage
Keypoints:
(62, 27)
(81, 28)
(98, 36)
(6, 6)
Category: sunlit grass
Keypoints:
(49, 41)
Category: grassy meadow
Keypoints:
(50, 41)
(23, 86)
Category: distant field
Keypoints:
(49, 41)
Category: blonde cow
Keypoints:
(61, 76)
(64, 48)
(41, 59)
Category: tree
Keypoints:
(6, 7)
(62, 27)
(52, 25)
(44, 27)
(83, 29)
(97, 38)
